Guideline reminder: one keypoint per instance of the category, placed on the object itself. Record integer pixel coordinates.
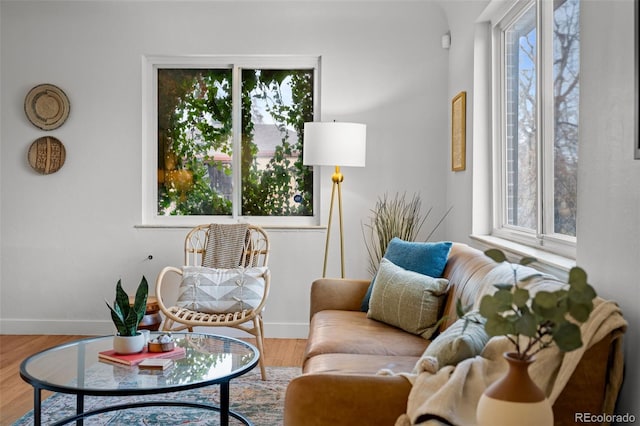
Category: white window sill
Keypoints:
(547, 262)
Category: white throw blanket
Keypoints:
(450, 395)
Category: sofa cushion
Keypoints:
(454, 345)
(424, 258)
(407, 299)
(358, 364)
(214, 291)
(351, 332)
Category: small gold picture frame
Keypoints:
(458, 132)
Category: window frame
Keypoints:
(150, 66)
(539, 238)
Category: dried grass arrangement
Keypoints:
(394, 217)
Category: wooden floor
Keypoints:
(16, 396)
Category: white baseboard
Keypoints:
(100, 328)
(64, 327)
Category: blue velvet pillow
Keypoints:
(423, 258)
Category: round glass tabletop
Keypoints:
(75, 367)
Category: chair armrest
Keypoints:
(340, 399)
(159, 282)
(338, 294)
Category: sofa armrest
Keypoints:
(598, 374)
(338, 294)
(353, 400)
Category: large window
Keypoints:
(225, 139)
(538, 83)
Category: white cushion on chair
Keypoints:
(216, 291)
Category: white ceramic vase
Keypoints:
(129, 344)
(514, 399)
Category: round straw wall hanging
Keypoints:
(46, 155)
(47, 106)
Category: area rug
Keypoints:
(261, 402)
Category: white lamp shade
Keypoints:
(335, 144)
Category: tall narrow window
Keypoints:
(522, 131)
(229, 139)
(566, 92)
(539, 81)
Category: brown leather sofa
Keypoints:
(346, 350)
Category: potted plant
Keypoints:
(531, 324)
(126, 318)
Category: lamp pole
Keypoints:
(337, 179)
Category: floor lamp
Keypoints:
(339, 145)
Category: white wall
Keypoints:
(66, 238)
(461, 17)
(609, 178)
(0, 151)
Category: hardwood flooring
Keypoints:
(16, 396)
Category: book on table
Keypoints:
(135, 359)
(156, 364)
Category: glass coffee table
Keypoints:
(73, 368)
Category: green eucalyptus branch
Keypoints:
(545, 319)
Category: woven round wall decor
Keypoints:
(47, 106)
(46, 155)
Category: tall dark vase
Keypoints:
(514, 399)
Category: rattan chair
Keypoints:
(254, 253)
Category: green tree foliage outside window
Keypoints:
(196, 143)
